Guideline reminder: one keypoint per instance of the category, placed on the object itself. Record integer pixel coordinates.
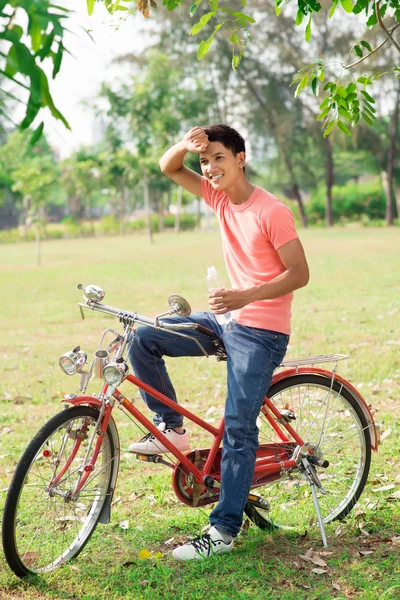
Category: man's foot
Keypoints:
(203, 547)
(150, 444)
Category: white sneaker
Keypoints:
(150, 444)
(203, 547)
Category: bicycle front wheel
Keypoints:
(329, 418)
(44, 526)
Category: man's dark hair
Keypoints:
(229, 137)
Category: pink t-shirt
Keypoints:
(251, 235)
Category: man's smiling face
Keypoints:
(220, 166)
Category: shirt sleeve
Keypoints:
(208, 193)
(277, 222)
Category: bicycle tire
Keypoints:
(288, 500)
(33, 518)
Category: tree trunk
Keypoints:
(390, 194)
(330, 178)
(38, 249)
(273, 121)
(161, 218)
(198, 214)
(178, 210)
(147, 205)
(122, 217)
(26, 205)
(397, 194)
(295, 187)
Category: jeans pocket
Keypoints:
(265, 334)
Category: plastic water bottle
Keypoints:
(214, 282)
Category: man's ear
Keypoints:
(241, 159)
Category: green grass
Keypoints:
(350, 306)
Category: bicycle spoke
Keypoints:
(328, 419)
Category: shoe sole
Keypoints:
(199, 556)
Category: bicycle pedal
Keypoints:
(148, 457)
(154, 458)
(258, 501)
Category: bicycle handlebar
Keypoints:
(133, 317)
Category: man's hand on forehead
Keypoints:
(196, 140)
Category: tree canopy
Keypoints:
(31, 35)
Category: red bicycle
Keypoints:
(315, 438)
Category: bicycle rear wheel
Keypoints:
(44, 529)
(328, 417)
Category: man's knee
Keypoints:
(144, 341)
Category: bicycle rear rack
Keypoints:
(313, 360)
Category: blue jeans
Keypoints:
(253, 355)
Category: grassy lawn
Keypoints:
(351, 306)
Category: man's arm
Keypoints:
(171, 164)
(296, 276)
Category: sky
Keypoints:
(81, 75)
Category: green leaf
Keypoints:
(329, 128)
(36, 135)
(364, 80)
(343, 127)
(315, 86)
(324, 113)
(366, 45)
(18, 30)
(202, 23)
(368, 97)
(358, 51)
(368, 107)
(308, 29)
(239, 15)
(303, 83)
(47, 100)
(341, 90)
(324, 103)
(367, 119)
(35, 32)
(90, 6)
(351, 87)
(204, 47)
(360, 5)
(193, 9)
(57, 58)
(347, 5)
(344, 113)
(333, 8)
(235, 61)
(234, 39)
(299, 17)
(12, 66)
(373, 20)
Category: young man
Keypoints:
(266, 263)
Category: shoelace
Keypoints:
(202, 543)
(146, 437)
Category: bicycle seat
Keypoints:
(218, 343)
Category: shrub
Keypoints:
(351, 202)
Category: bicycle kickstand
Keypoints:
(318, 511)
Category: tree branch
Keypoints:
(383, 26)
(372, 51)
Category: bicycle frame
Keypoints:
(264, 468)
